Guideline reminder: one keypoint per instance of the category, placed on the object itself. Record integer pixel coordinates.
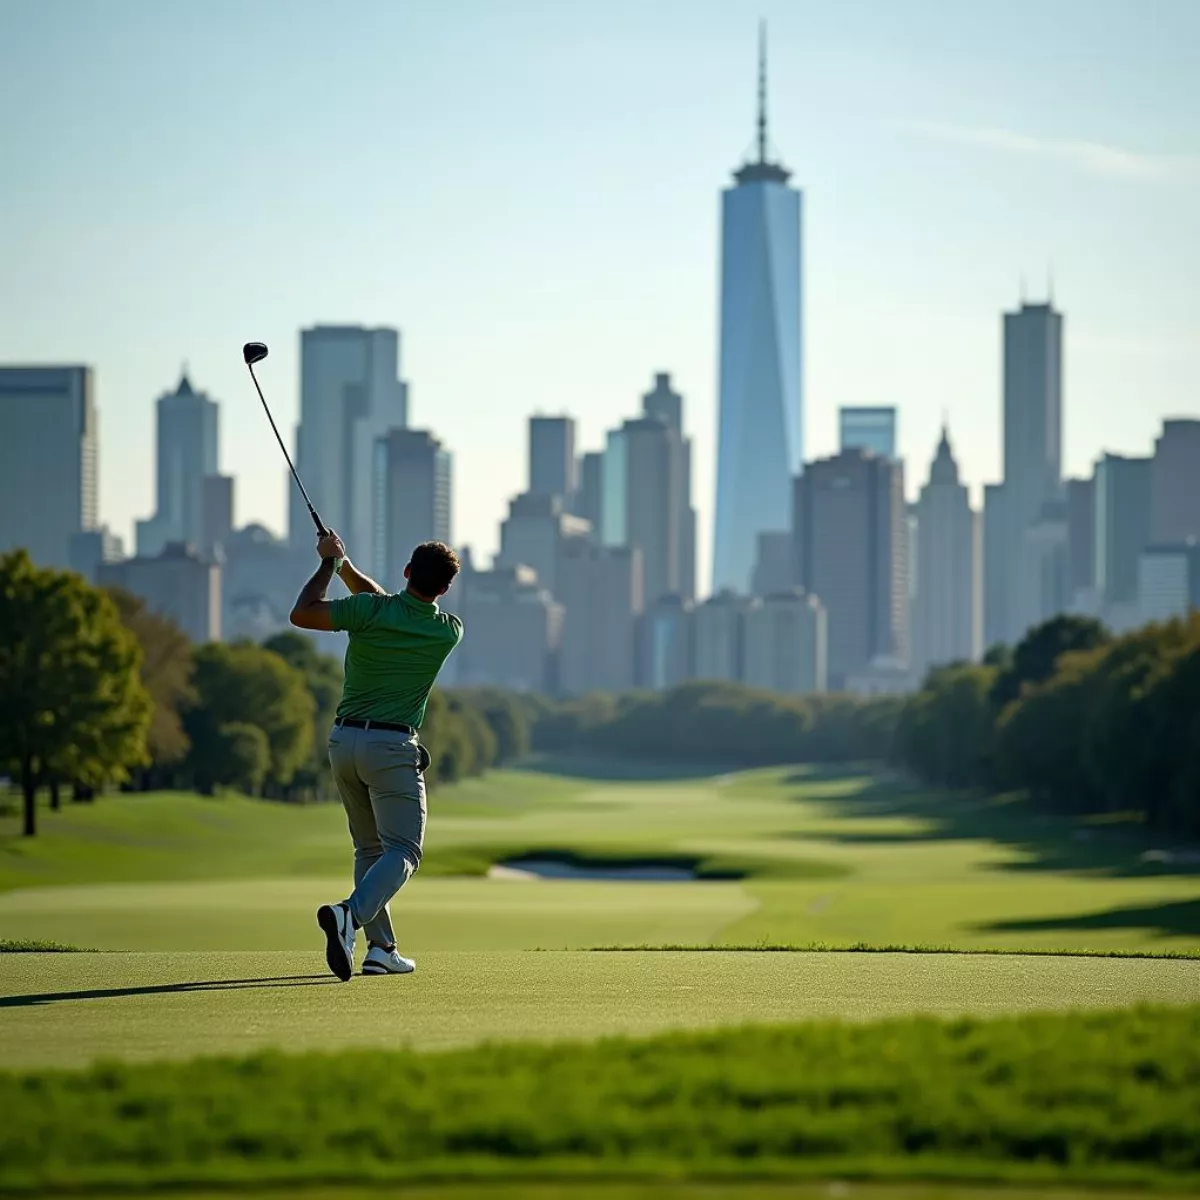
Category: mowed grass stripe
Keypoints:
(70, 1010)
(1085, 1097)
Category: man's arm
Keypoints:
(312, 610)
(356, 581)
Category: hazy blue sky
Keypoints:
(530, 192)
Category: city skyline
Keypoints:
(941, 163)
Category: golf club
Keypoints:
(253, 352)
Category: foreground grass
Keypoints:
(70, 1010)
(575, 1188)
(1097, 1097)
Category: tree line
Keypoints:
(97, 690)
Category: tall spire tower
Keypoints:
(762, 91)
(759, 436)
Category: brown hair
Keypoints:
(432, 568)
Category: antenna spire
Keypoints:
(762, 91)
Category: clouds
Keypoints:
(1094, 158)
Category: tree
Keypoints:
(232, 755)
(1035, 657)
(71, 703)
(945, 730)
(323, 678)
(245, 684)
(509, 721)
(166, 674)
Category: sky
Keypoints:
(530, 192)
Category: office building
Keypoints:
(759, 446)
(91, 547)
(601, 594)
(647, 493)
(1123, 489)
(785, 643)
(48, 460)
(589, 500)
(665, 404)
(412, 480)
(718, 636)
(185, 456)
(261, 575)
(534, 533)
(871, 429)
(1032, 435)
(217, 523)
(947, 610)
(851, 552)
(1081, 539)
(1043, 567)
(774, 564)
(1168, 581)
(351, 394)
(1000, 594)
(178, 583)
(1175, 483)
(516, 629)
(552, 457)
(666, 654)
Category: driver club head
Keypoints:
(254, 352)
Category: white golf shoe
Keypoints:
(386, 962)
(338, 926)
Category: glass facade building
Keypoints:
(759, 446)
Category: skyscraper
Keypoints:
(946, 625)
(534, 534)
(552, 457)
(852, 553)
(1032, 461)
(784, 643)
(350, 395)
(601, 594)
(646, 493)
(1033, 407)
(759, 436)
(871, 429)
(186, 422)
(1175, 483)
(1122, 531)
(719, 631)
(589, 503)
(48, 452)
(178, 582)
(412, 499)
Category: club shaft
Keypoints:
(312, 512)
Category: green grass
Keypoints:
(1085, 1098)
(818, 858)
(69, 1010)
(36, 946)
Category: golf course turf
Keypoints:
(198, 917)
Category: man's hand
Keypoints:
(331, 546)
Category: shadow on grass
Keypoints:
(1174, 917)
(618, 768)
(211, 985)
(1043, 841)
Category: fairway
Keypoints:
(203, 909)
(68, 1009)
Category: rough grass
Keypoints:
(37, 946)
(1083, 1097)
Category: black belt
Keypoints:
(355, 723)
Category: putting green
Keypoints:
(69, 1009)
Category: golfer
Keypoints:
(397, 646)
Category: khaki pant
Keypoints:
(383, 793)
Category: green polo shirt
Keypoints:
(397, 646)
